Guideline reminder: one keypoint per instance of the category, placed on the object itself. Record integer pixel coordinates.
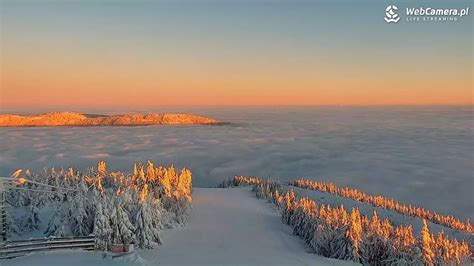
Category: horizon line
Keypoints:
(79, 109)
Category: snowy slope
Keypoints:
(227, 226)
(232, 226)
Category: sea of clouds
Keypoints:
(418, 155)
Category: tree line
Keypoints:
(386, 203)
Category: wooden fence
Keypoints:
(12, 249)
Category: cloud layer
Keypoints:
(422, 156)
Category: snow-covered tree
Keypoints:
(327, 241)
(31, 220)
(427, 243)
(354, 233)
(102, 229)
(161, 217)
(376, 242)
(79, 216)
(181, 210)
(184, 186)
(58, 224)
(146, 231)
(288, 206)
(116, 207)
(150, 171)
(22, 197)
(122, 228)
(102, 168)
(12, 224)
(165, 183)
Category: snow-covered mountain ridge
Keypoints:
(78, 119)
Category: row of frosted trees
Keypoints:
(337, 233)
(387, 203)
(117, 208)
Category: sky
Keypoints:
(123, 54)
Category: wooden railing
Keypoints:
(11, 249)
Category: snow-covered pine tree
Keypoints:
(184, 184)
(122, 228)
(146, 231)
(376, 243)
(150, 172)
(40, 198)
(46, 192)
(288, 209)
(12, 226)
(308, 228)
(102, 168)
(259, 191)
(277, 198)
(58, 225)
(21, 197)
(31, 220)
(427, 243)
(354, 233)
(79, 217)
(129, 202)
(135, 170)
(181, 210)
(161, 217)
(404, 247)
(115, 236)
(102, 229)
(141, 174)
(57, 182)
(89, 205)
(325, 241)
(165, 182)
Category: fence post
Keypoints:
(3, 215)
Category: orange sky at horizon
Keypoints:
(71, 55)
(65, 82)
(87, 78)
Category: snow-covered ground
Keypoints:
(227, 226)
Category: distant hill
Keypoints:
(78, 119)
